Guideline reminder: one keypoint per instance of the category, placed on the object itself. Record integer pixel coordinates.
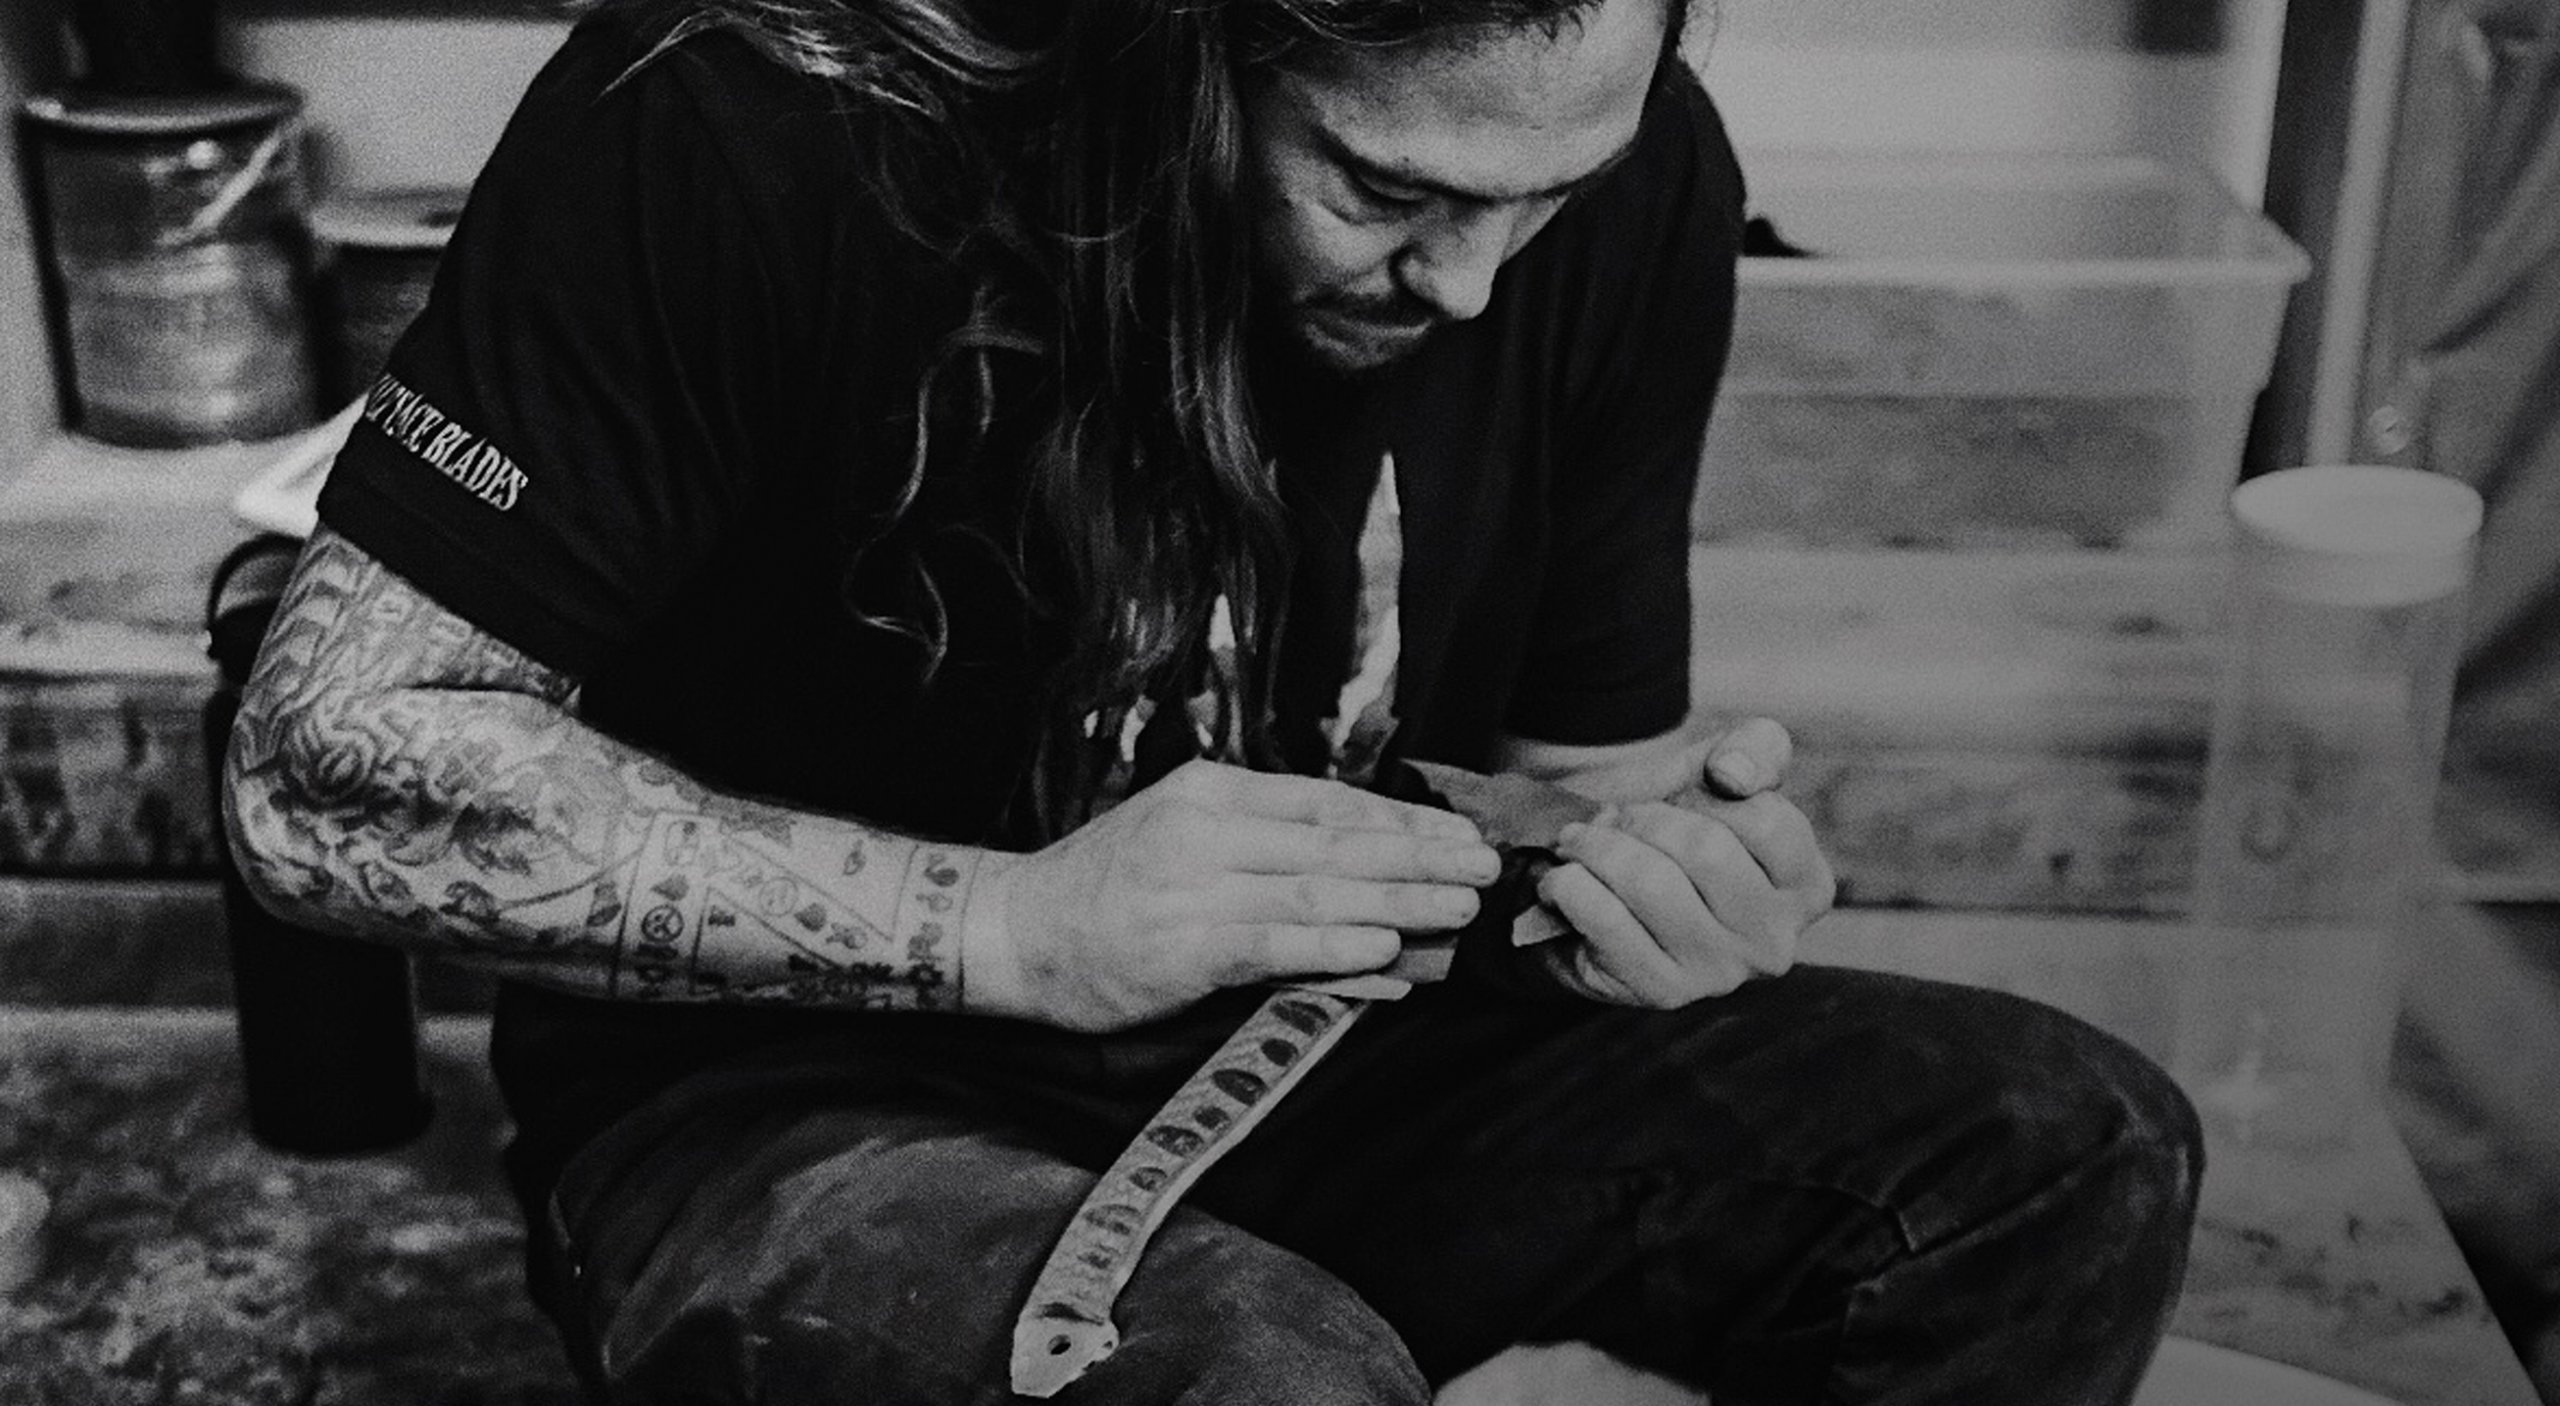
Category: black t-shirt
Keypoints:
(672, 346)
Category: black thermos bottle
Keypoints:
(328, 1025)
(147, 47)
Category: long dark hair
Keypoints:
(1104, 141)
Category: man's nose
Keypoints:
(1451, 265)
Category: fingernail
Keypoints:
(1736, 771)
(1481, 865)
(1571, 834)
(1449, 825)
(1546, 884)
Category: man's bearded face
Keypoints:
(1388, 186)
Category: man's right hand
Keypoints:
(1213, 877)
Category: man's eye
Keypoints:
(1388, 196)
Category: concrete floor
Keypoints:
(183, 1263)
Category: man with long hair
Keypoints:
(863, 597)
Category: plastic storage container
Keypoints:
(2314, 844)
(2044, 352)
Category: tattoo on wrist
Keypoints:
(933, 899)
(711, 909)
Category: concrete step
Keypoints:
(2020, 730)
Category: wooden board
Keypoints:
(2019, 652)
(102, 761)
(2001, 731)
(1972, 828)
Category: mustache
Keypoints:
(1394, 312)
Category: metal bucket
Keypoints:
(146, 46)
(177, 253)
(380, 250)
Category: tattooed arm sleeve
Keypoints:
(398, 774)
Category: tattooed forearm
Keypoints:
(400, 775)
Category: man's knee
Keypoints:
(2073, 1136)
(2109, 1109)
(1949, 1103)
(1228, 1318)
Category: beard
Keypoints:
(1351, 335)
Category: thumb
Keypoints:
(1749, 757)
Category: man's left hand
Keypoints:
(1688, 898)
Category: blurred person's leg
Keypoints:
(2472, 1073)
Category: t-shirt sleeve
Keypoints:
(586, 404)
(1609, 653)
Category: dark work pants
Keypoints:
(1834, 1186)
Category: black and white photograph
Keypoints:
(1280, 703)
